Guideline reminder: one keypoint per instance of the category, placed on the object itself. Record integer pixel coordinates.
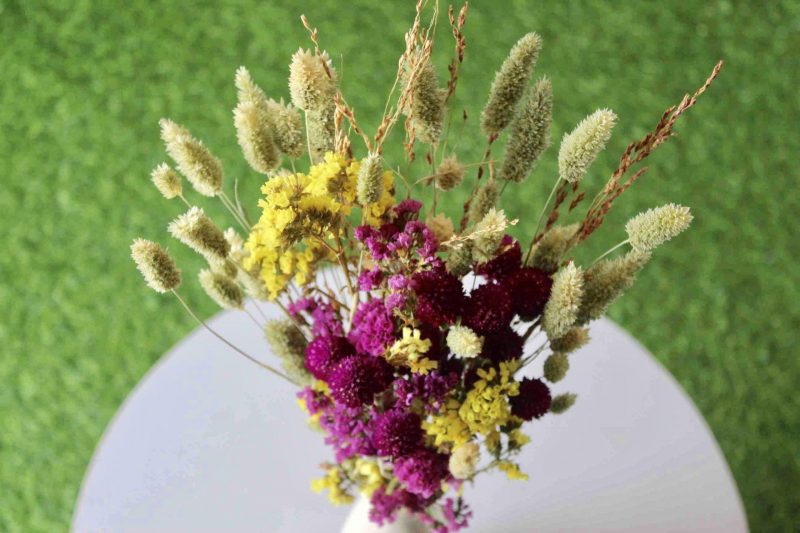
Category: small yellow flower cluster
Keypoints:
(512, 470)
(410, 351)
(447, 428)
(333, 481)
(486, 405)
(367, 474)
(300, 212)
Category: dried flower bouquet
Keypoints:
(406, 333)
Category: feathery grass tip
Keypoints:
(156, 265)
(656, 226)
(167, 181)
(562, 308)
(580, 147)
(197, 231)
(530, 133)
(194, 160)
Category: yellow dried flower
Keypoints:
(222, 289)
(509, 84)
(464, 459)
(309, 84)
(194, 160)
(167, 181)
(441, 227)
(197, 231)
(488, 235)
(449, 174)
(606, 280)
(486, 404)
(656, 226)
(370, 180)
(156, 265)
(334, 482)
(254, 133)
(485, 199)
(410, 351)
(446, 427)
(580, 147)
(427, 106)
(562, 402)
(555, 367)
(571, 341)
(550, 250)
(463, 342)
(512, 470)
(562, 308)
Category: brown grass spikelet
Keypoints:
(449, 174)
(571, 341)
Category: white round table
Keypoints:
(208, 442)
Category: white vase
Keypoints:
(358, 521)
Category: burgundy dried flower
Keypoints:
(529, 289)
(357, 379)
(488, 309)
(440, 296)
(533, 399)
(506, 263)
(397, 433)
(502, 345)
(323, 353)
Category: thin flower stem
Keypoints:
(541, 216)
(256, 322)
(234, 347)
(185, 201)
(613, 248)
(230, 208)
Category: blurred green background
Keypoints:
(84, 84)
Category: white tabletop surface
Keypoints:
(208, 442)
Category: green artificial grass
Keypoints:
(84, 83)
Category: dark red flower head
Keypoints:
(324, 352)
(529, 289)
(502, 345)
(397, 433)
(506, 263)
(357, 379)
(440, 296)
(533, 399)
(488, 309)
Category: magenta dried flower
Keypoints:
(397, 433)
(373, 328)
(422, 472)
(324, 353)
(357, 379)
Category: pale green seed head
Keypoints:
(580, 147)
(562, 403)
(488, 235)
(555, 367)
(287, 128)
(254, 133)
(572, 340)
(194, 160)
(530, 133)
(197, 231)
(607, 280)
(222, 289)
(485, 199)
(309, 84)
(551, 249)
(459, 261)
(321, 132)
(562, 308)
(369, 184)
(656, 226)
(289, 344)
(509, 84)
(427, 107)
(449, 174)
(156, 265)
(167, 181)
